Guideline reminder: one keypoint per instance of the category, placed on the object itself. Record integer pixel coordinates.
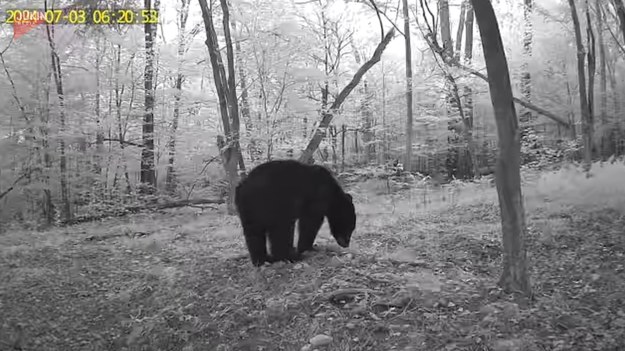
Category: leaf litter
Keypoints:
(414, 281)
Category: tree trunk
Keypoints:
(582, 88)
(571, 114)
(225, 86)
(454, 95)
(409, 131)
(603, 83)
(619, 6)
(99, 138)
(183, 15)
(66, 213)
(385, 143)
(343, 132)
(368, 136)
(614, 87)
(252, 147)
(526, 81)
(468, 56)
(148, 174)
(49, 208)
(461, 25)
(590, 42)
(443, 8)
(514, 277)
(468, 94)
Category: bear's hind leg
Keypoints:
(281, 241)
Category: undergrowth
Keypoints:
(421, 275)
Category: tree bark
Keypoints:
(148, 174)
(590, 42)
(514, 277)
(252, 147)
(463, 11)
(619, 5)
(99, 139)
(408, 62)
(526, 81)
(583, 97)
(226, 92)
(443, 8)
(603, 83)
(66, 213)
(183, 15)
(468, 57)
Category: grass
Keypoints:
(421, 275)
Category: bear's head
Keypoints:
(342, 219)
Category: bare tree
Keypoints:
(514, 277)
(526, 81)
(99, 139)
(409, 131)
(225, 85)
(328, 114)
(463, 13)
(583, 97)
(603, 83)
(183, 15)
(468, 56)
(148, 173)
(591, 55)
(619, 6)
(66, 214)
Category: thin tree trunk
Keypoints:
(367, 134)
(385, 142)
(245, 105)
(443, 8)
(170, 178)
(526, 81)
(49, 208)
(148, 173)
(613, 88)
(99, 139)
(463, 11)
(571, 114)
(468, 57)
(603, 83)
(590, 42)
(514, 277)
(66, 214)
(343, 132)
(409, 131)
(233, 104)
(581, 76)
(619, 5)
(226, 91)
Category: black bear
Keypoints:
(276, 194)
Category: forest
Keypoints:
(479, 146)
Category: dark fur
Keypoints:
(276, 194)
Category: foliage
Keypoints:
(535, 153)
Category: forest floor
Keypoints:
(421, 274)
